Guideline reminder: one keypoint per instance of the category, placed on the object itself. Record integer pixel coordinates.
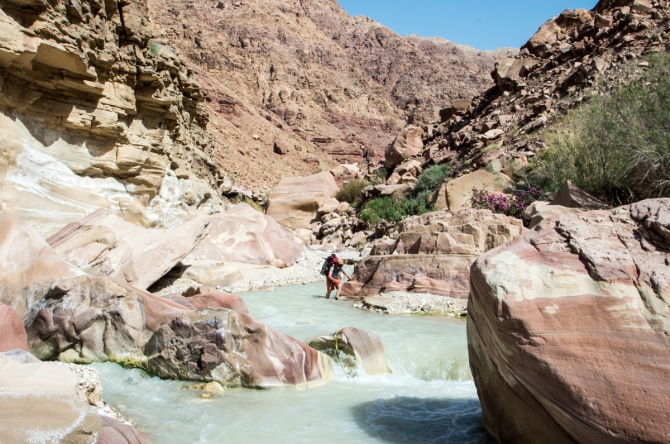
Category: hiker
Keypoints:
(325, 271)
(334, 281)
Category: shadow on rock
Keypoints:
(418, 420)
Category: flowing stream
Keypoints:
(429, 398)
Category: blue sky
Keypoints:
(484, 24)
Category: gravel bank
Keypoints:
(413, 303)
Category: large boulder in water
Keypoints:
(569, 329)
(76, 317)
(245, 235)
(366, 347)
(295, 202)
(12, 333)
(102, 243)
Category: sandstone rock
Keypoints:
(44, 402)
(459, 191)
(345, 170)
(407, 144)
(456, 108)
(363, 345)
(29, 267)
(294, 203)
(245, 235)
(446, 275)
(280, 148)
(102, 243)
(590, 288)
(572, 196)
(544, 210)
(12, 333)
(329, 206)
(213, 299)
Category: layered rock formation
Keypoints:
(293, 84)
(94, 113)
(568, 329)
(76, 317)
(431, 253)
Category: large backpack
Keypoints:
(330, 260)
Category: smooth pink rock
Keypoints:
(12, 333)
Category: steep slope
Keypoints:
(324, 86)
(572, 55)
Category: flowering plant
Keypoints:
(514, 205)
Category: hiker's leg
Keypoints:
(339, 289)
(329, 288)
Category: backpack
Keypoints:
(330, 260)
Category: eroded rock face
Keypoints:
(431, 253)
(294, 203)
(104, 244)
(93, 113)
(407, 144)
(568, 329)
(245, 235)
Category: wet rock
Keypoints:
(365, 346)
(589, 288)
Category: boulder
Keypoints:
(366, 347)
(280, 148)
(408, 143)
(29, 267)
(445, 275)
(52, 403)
(456, 108)
(459, 191)
(245, 235)
(572, 196)
(543, 210)
(431, 253)
(508, 71)
(75, 317)
(12, 333)
(569, 327)
(103, 243)
(294, 203)
(213, 299)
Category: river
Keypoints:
(429, 398)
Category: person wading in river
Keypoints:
(334, 281)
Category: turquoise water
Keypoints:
(429, 398)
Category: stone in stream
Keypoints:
(75, 317)
(41, 402)
(363, 345)
(569, 329)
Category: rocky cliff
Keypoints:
(95, 113)
(294, 84)
(571, 56)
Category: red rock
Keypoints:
(12, 332)
(280, 147)
(569, 328)
(114, 432)
(214, 299)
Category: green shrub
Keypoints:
(351, 190)
(431, 178)
(396, 208)
(615, 147)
